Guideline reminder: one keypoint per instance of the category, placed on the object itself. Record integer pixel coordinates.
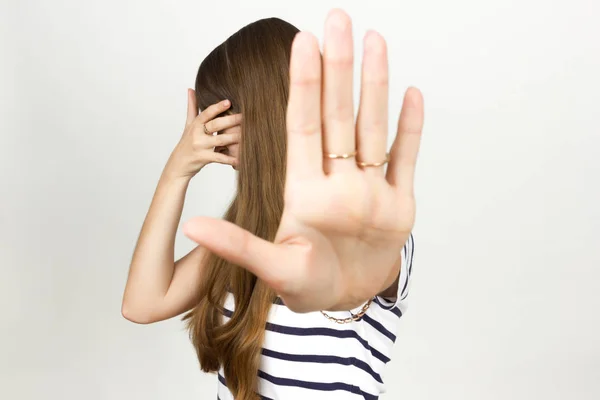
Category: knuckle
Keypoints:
(196, 127)
(339, 111)
(204, 115)
(306, 82)
(343, 63)
(211, 141)
(222, 141)
(307, 128)
(377, 83)
(214, 109)
(373, 125)
(197, 143)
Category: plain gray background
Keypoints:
(504, 299)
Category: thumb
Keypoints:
(192, 107)
(264, 259)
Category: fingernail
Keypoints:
(226, 103)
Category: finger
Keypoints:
(372, 120)
(403, 157)
(212, 111)
(221, 158)
(221, 123)
(192, 107)
(264, 259)
(303, 119)
(338, 106)
(224, 139)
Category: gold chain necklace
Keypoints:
(353, 317)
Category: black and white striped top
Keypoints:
(306, 356)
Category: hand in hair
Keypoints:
(196, 148)
(343, 225)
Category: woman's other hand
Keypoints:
(196, 147)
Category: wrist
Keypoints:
(175, 175)
(178, 170)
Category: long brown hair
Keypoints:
(251, 69)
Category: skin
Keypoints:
(336, 250)
(333, 251)
(157, 287)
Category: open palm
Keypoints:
(343, 225)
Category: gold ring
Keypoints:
(347, 155)
(377, 164)
(205, 130)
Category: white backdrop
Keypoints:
(503, 302)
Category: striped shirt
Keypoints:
(307, 356)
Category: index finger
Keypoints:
(303, 120)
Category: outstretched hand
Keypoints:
(343, 225)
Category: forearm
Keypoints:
(153, 264)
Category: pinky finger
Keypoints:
(221, 158)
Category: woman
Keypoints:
(297, 293)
